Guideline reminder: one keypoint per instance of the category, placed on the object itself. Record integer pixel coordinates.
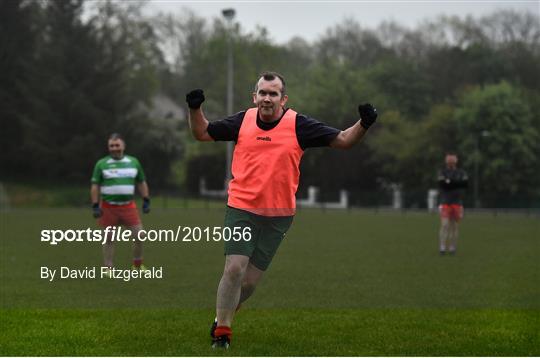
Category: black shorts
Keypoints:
(266, 233)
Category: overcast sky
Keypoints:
(310, 19)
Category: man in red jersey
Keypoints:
(270, 140)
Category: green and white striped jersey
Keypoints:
(117, 178)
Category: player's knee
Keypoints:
(234, 271)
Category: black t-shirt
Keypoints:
(309, 132)
(452, 183)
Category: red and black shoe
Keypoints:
(222, 337)
(221, 342)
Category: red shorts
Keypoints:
(116, 215)
(451, 211)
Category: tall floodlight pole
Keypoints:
(229, 16)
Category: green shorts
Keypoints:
(266, 235)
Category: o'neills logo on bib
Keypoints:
(265, 176)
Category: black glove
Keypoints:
(195, 98)
(96, 210)
(368, 115)
(146, 205)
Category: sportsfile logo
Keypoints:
(266, 139)
(118, 234)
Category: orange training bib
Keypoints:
(266, 167)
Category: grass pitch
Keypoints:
(342, 283)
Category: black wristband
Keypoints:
(95, 205)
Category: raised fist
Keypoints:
(368, 115)
(195, 98)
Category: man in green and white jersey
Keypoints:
(113, 181)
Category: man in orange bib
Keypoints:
(270, 141)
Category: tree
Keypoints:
(20, 23)
(508, 157)
(70, 83)
(403, 85)
(348, 43)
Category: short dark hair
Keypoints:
(270, 76)
(115, 136)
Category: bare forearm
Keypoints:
(94, 193)
(198, 124)
(143, 189)
(349, 137)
